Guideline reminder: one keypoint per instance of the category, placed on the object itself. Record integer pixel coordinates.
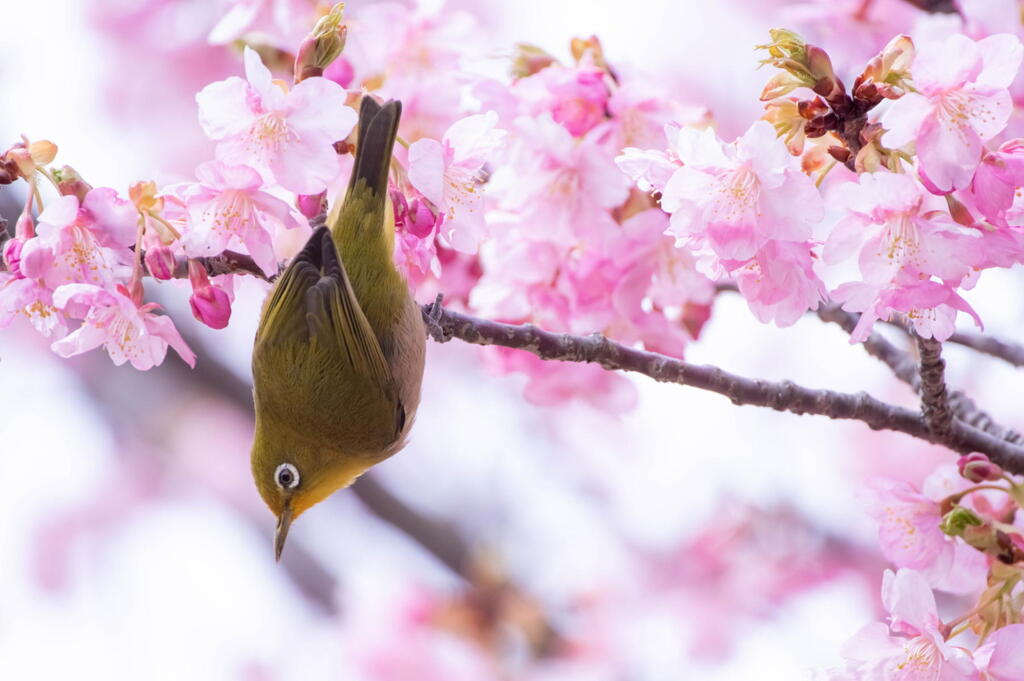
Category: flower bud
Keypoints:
(802, 65)
(887, 75)
(12, 256)
(322, 46)
(42, 152)
(341, 72)
(70, 183)
(210, 304)
(589, 51)
(420, 220)
(977, 467)
(958, 520)
(143, 195)
(160, 262)
(311, 205)
(529, 59)
(25, 227)
(786, 117)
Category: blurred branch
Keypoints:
(935, 6)
(1011, 353)
(934, 400)
(126, 399)
(443, 325)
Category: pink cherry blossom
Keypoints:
(997, 179)
(227, 207)
(20, 296)
(912, 647)
(448, 173)
(1001, 657)
(962, 100)
(130, 333)
(930, 306)
(736, 197)
(650, 169)
(779, 283)
(889, 224)
(66, 250)
(910, 536)
(288, 133)
(576, 97)
(559, 188)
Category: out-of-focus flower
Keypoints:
(228, 206)
(289, 133)
(962, 100)
(130, 333)
(449, 174)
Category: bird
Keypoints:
(339, 352)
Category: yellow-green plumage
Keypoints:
(338, 356)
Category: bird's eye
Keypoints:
(287, 476)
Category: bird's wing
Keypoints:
(314, 302)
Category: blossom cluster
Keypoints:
(959, 533)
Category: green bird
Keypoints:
(338, 358)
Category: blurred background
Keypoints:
(681, 538)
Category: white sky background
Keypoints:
(185, 589)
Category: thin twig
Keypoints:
(781, 396)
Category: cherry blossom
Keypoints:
(890, 224)
(910, 536)
(962, 100)
(288, 133)
(1000, 658)
(448, 173)
(912, 647)
(736, 197)
(32, 300)
(129, 332)
(66, 249)
(228, 207)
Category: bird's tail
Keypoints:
(378, 126)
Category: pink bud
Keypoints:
(311, 205)
(977, 467)
(340, 71)
(25, 227)
(210, 304)
(421, 220)
(12, 257)
(160, 262)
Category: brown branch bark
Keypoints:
(443, 325)
(934, 399)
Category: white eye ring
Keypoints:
(286, 476)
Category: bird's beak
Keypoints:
(284, 521)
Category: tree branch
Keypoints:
(444, 325)
(934, 400)
(1011, 353)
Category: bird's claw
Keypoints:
(432, 319)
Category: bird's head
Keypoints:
(292, 474)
